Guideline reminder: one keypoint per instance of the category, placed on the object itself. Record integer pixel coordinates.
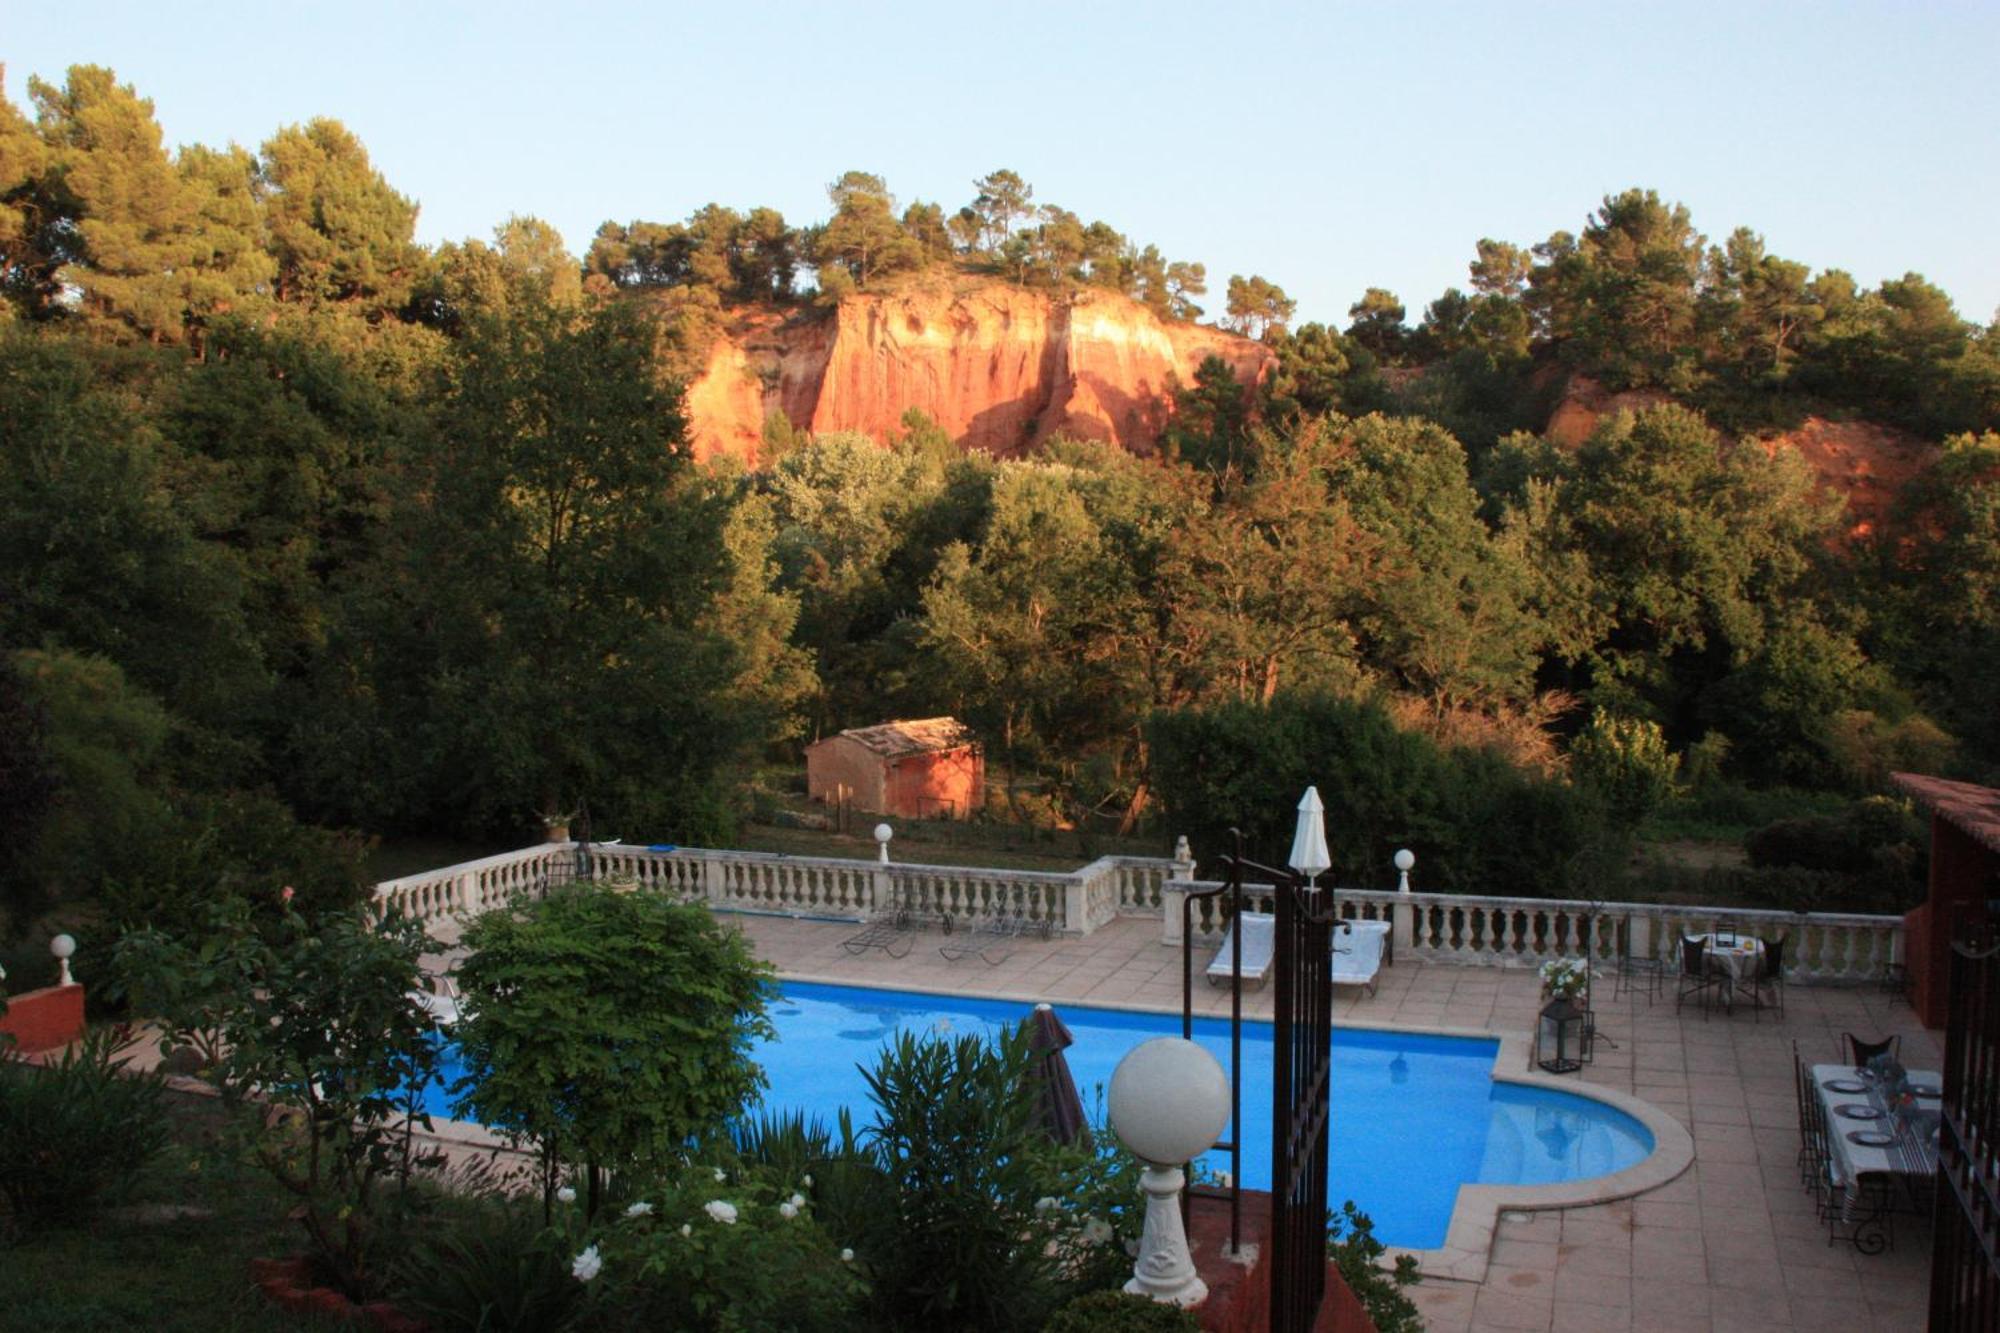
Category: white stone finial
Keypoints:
(1404, 860)
(882, 835)
(1183, 858)
(62, 946)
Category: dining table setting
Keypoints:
(1882, 1130)
(1737, 960)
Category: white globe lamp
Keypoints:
(1169, 1102)
(882, 835)
(63, 947)
(1404, 860)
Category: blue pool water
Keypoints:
(1414, 1117)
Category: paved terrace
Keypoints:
(1732, 1243)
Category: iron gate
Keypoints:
(1965, 1256)
(1301, 1089)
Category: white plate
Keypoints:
(1856, 1111)
(1870, 1138)
(1846, 1085)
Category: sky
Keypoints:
(1328, 147)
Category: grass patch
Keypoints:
(144, 1266)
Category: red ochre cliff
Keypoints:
(1000, 368)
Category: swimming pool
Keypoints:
(1414, 1115)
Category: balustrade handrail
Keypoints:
(1440, 926)
(1606, 907)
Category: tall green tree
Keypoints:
(132, 218)
(1257, 306)
(557, 561)
(339, 232)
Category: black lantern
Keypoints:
(1561, 1038)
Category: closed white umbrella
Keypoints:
(1309, 854)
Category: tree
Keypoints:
(340, 233)
(1003, 199)
(1637, 268)
(1378, 325)
(863, 236)
(1257, 306)
(1445, 615)
(29, 241)
(553, 565)
(131, 217)
(609, 1027)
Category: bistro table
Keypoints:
(1737, 959)
(1853, 1105)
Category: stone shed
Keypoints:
(930, 768)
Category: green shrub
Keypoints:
(608, 1027)
(1877, 840)
(76, 1133)
(983, 1222)
(491, 1269)
(711, 1250)
(1351, 1244)
(1476, 823)
(309, 1033)
(1118, 1312)
(1625, 760)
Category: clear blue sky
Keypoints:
(1327, 147)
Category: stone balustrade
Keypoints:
(1438, 927)
(1526, 932)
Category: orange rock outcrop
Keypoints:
(1865, 463)
(1000, 368)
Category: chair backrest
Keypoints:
(1864, 1051)
(1774, 959)
(1691, 951)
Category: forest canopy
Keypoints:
(310, 533)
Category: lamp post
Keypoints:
(882, 835)
(1169, 1101)
(63, 946)
(1404, 860)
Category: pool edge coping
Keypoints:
(1475, 1218)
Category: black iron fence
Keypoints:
(1965, 1258)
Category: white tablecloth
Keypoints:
(1853, 1160)
(1740, 957)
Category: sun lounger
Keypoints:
(1259, 936)
(1357, 952)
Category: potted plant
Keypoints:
(1564, 978)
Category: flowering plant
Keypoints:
(1564, 978)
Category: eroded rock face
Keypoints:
(1864, 463)
(998, 367)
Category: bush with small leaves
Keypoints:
(76, 1133)
(1118, 1312)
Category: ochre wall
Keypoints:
(950, 783)
(838, 760)
(41, 1020)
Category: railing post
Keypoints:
(1172, 893)
(1640, 936)
(713, 884)
(1076, 904)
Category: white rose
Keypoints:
(788, 1211)
(565, 1195)
(798, 1200)
(720, 1175)
(1045, 1204)
(638, 1209)
(721, 1211)
(1096, 1231)
(687, 1229)
(847, 1256)
(808, 1181)
(586, 1265)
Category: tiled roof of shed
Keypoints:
(920, 736)
(1973, 809)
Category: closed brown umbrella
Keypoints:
(1061, 1109)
